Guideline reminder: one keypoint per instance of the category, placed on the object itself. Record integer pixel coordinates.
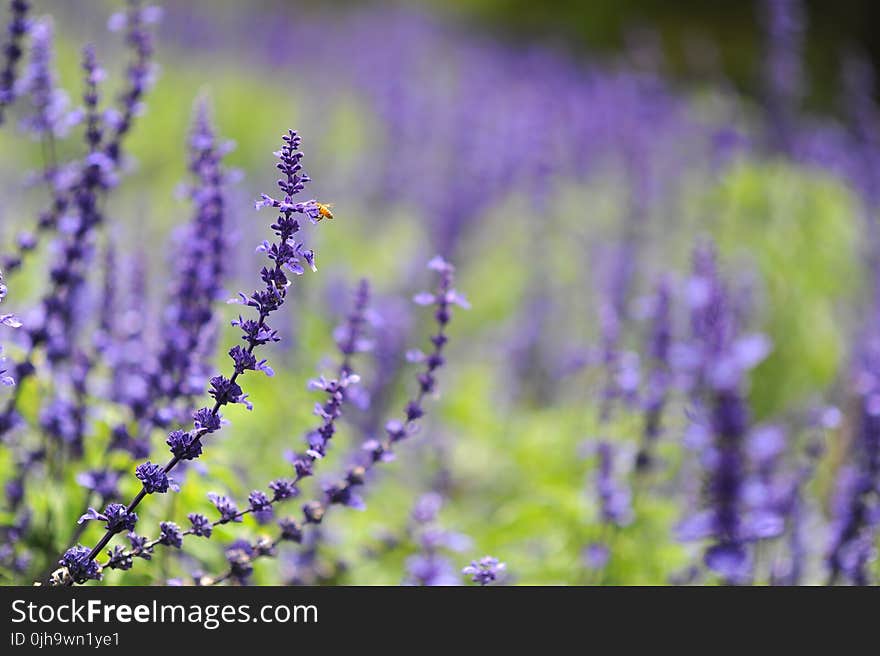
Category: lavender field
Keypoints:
(296, 295)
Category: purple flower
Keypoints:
(244, 360)
(428, 567)
(291, 530)
(226, 507)
(116, 517)
(184, 444)
(302, 465)
(283, 489)
(171, 535)
(722, 359)
(80, 566)
(240, 556)
(49, 105)
(206, 421)
(784, 25)
(12, 51)
(140, 546)
(484, 571)
(225, 391)
(614, 497)
(200, 525)
(342, 494)
(260, 506)
(349, 336)
(729, 559)
(596, 555)
(94, 75)
(5, 320)
(431, 569)
(427, 507)
(140, 70)
(660, 378)
(154, 478)
(855, 518)
(396, 429)
(102, 482)
(119, 558)
(76, 200)
(187, 327)
(258, 500)
(285, 255)
(313, 512)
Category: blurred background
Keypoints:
(566, 157)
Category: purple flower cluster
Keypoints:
(50, 117)
(140, 72)
(50, 114)
(719, 361)
(12, 51)
(104, 483)
(79, 565)
(10, 321)
(784, 26)
(660, 378)
(484, 571)
(75, 196)
(261, 505)
(856, 518)
(429, 566)
(116, 516)
(285, 255)
(615, 502)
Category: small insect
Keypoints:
(324, 211)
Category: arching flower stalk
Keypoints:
(12, 51)
(351, 341)
(286, 255)
(377, 451)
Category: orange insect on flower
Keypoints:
(324, 211)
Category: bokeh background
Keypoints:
(565, 156)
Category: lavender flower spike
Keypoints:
(784, 25)
(660, 377)
(614, 497)
(856, 519)
(725, 359)
(285, 254)
(49, 115)
(140, 72)
(12, 51)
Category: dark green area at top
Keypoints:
(686, 28)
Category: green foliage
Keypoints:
(799, 231)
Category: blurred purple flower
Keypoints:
(13, 49)
(484, 571)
